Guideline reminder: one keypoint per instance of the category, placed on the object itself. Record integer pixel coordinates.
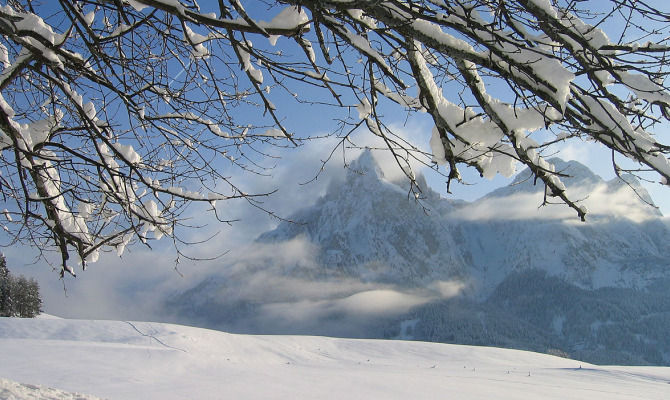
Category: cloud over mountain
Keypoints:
(367, 257)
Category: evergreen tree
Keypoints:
(19, 293)
(19, 297)
(5, 289)
(33, 301)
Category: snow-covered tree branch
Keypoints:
(115, 115)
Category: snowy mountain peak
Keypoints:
(600, 196)
(575, 170)
(631, 182)
(573, 173)
(368, 227)
(366, 166)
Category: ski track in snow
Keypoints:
(142, 360)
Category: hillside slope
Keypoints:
(142, 360)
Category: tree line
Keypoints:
(19, 296)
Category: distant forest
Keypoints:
(19, 296)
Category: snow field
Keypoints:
(142, 360)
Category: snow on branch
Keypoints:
(116, 116)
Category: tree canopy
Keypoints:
(117, 114)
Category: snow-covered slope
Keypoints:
(11, 390)
(140, 360)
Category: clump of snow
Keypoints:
(645, 88)
(275, 133)
(128, 153)
(437, 148)
(89, 110)
(546, 6)
(364, 108)
(363, 45)
(89, 17)
(137, 5)
(4, 56)
(358, 15)
(120, 30)
(400, 98)
(121, 246)
(255, 74)
(196, 40)
(290, 17)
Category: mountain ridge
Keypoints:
(449, 240)
(434, 264)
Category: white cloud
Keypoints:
(295, 294)
(380, 302)
(600, 201)
(447, 289)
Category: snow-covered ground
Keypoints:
(142, 360)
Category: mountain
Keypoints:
(620, 245)
(148, 360)
(372, 229)
(370, 260)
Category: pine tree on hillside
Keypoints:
(20, 294)
(5, 289)
(19, 297)
(33, 301)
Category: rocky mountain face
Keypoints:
(374, 230)
(497, 271)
